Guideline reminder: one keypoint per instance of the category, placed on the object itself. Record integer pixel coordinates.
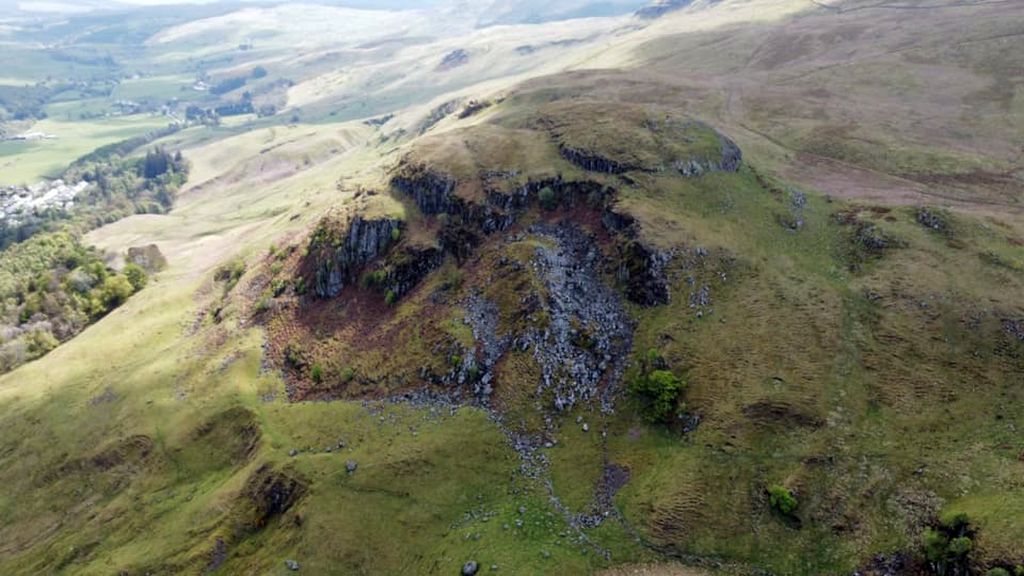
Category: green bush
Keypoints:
(263, 304)
(934, 544)
(948, 545)
(658, 391)
(230, 273)
(391, 298)
(347, 374)
(960, 546)
(136, 275)
(396, 234)
(40, 342)
(375, 278)
(782, 500)
(998, 572)
(317, 373)
(116, 290)
(548, 198)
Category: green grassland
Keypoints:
(29, 162)
(849, 353)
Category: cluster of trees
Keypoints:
(51, 288)
(28, 102)
(23, 102)
(235, 82)
(122, 186)
(228, 85)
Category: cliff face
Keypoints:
(730, 161)
(339, 254)
(599, 148)
(432, 191)
(639, 268)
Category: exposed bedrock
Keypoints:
(341, 254)
(590, 334)
(405, 268)
(432, 191)
(642, 272)
(729, 160)
(594, 162)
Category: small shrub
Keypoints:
(317, 373)
(655, 361)
(548, 199)
(347, 374)
(136, 275)
(230, 273)
(960, 546)
(395, 234)
(263, 305)
(375, 278)
(782, 500)
(293, 357)
(658, 391)
(391, 298)
(998, 572)
(452, 278)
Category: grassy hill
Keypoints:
(735, 291)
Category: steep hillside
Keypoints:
(732, 290)
(538, 262)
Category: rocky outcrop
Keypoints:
(593, 162)
(406, 268)
(582, 345)
(149, 258)
(473, 107)
(432, 191)
(1014, 328)
(589, 335)
(730, 161)
(642, 272)
(640, 269)
(267, 495)
(339, 255)
(437, 114)
(453, 59)
(732, 156)
(618, 223)
(933, 220)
